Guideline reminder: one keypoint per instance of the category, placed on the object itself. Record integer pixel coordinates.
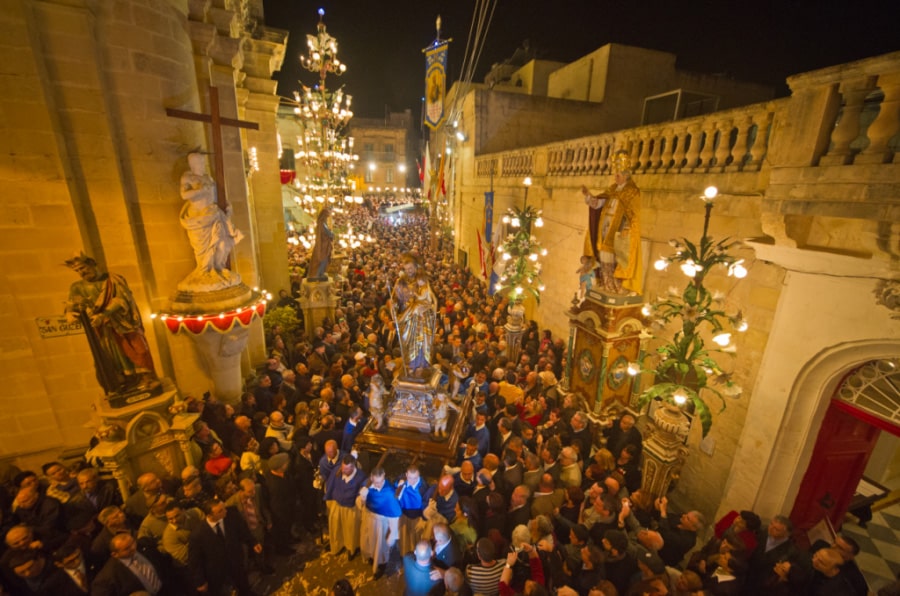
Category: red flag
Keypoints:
(441, 187)
(481, 255)
(426, 172)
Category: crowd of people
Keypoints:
(542, 497)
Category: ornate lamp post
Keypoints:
(686, 369)
(324, 149)
(521, 276)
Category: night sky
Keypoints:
(764, 42)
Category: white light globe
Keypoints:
(722, 339)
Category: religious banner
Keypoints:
(435, 84)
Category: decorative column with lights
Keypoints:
(521, 275)
(218, 326)
(326, 161)
(685, 370)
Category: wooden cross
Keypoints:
(216, 122)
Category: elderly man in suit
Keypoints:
(255, 512)
(127, 571)
(215, 554)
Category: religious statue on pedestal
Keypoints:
(613, 236)
(104, 305)
(209, 229)
(417, 316)
(321, 254)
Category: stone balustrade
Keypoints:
(730, 141)
(864, 112)
(856, 107)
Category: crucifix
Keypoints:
(216, 122)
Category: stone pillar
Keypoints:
(854, 92)
(183, 429)
(318, 301)
(886, 124)
(221, 356)
(219, 349)
(664, 450)
(263, 55)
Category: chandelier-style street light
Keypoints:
(324, 150)
(686, 368)
(521, 252)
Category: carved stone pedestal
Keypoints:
(412, 403)
(151, 436)
(219, 349)
(664, 450)
(604, 336)
(318, 300)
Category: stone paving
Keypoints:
(320, 571)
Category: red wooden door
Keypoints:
(838, 461)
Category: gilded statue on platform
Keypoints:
(104, 305)
(209, 229)
(415, 317)
(613, 236)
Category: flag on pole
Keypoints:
(426, 172)
(487, 266)
(481, 256)
(440, 189)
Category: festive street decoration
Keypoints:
(686, 369)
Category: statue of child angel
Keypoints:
(376, 401)
(442, 405)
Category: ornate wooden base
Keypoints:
(414, 443)
(604, 337)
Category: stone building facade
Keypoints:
(388, 144)
(92, 162)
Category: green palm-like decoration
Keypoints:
(521, 252)
(686, 370)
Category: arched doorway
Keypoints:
(865, 403)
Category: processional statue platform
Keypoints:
(418, 404)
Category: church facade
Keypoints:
(92, 161)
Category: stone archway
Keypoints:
(809, 400)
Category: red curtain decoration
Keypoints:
(221, 322)
(287, 176)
